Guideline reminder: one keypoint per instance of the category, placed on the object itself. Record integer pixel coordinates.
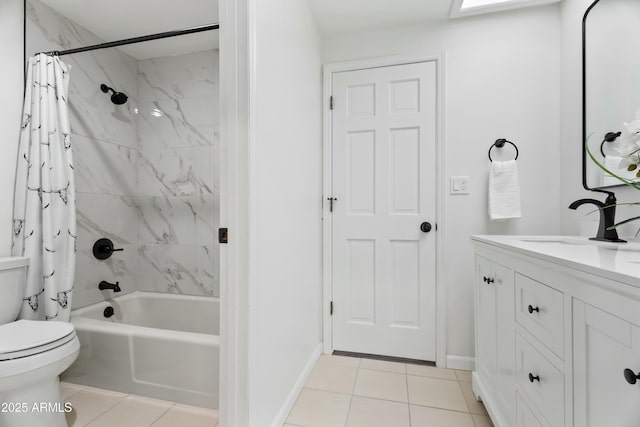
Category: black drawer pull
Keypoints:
(487, 280)
(532, 378)
(532, 309)
(631, 376)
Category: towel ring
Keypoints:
(500, 143)
(609, 137)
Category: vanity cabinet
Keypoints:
(555, 333)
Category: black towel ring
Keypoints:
(500, 143)
(609, 137)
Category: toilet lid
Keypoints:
(24, 335)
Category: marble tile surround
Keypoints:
(147, 171)
(178, 182)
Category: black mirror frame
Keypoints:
(583, 143)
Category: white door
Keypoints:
(384, 180)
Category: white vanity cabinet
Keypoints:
(557, 325)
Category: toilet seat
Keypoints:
(25, 338)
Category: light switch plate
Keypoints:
(459, 185)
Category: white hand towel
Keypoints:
(504, 190)
(613, 164)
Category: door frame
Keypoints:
(327, 223)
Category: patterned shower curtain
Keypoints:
(44, 218)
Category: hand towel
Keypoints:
(613, 164)
(504, 190)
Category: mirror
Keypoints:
(611, 86)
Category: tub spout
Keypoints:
(115, 287)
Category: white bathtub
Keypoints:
(164, 346)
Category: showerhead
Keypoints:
(117, 98)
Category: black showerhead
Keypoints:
(117, 98)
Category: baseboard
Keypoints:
(297, 388)
(463, 363)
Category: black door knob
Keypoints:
(532, 378)
(532, 309)
(425, 227)
(631, 376)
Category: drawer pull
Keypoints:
(532, 309)
(532, 378)
(487, 280)
(631, 376)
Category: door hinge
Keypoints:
(331, 308)
(331, 201)
(223, 235)
(331, 102)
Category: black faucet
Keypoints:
(607, 218)
(115, 287)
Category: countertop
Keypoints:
(615, 261)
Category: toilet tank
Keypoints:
(13, 274)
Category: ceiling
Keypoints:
(120, 19)
(340, 16)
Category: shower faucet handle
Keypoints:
(103, 249)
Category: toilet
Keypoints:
(32, 355)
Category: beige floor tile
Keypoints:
(317, 408)
(475, 407)
(431, 371)
(422, 416)
(89, 404)
(382, 365)
(69, 389)
(365, 412)
(188, 416)
(339, 360)
(482, 421)
(330, 376)
(435, 392)
(381, 385)
(133, 411)
(463, 376)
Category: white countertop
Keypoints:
(615, 261)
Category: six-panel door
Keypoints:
(384, 180)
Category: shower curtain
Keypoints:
(44, 218)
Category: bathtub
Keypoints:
(164, 346)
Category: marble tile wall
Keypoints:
(147, 171)
(178, 182)
(105, 148)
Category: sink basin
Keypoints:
(557, 240)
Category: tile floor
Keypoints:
(94, 407)
(352, 392)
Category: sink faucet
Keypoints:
(607, 218)
(103, 286)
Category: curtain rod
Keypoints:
(132, 40)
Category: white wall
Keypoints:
(575, 222)
(502, 79)
(11, 87)
(285, 205)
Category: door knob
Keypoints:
(425, 227)
(532, 378)
(631, 376)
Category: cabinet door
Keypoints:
(604, 346)
(485, 321)
(505, 339)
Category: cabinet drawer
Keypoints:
(540, 310)
(525, 417)
(540, 381)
